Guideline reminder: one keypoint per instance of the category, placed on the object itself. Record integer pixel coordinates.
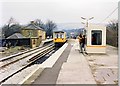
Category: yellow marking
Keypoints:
(96, 46)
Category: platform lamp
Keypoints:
(86, 26)
(84, 30)
(87, 20)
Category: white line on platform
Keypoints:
(53, 58)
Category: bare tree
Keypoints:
(7, 31)
(39, 23)
(113, 25)
(112, 33)
(11, 28)
(49, 27)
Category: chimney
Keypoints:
(32, 22)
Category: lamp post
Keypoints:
(87, 20)
(83, 31)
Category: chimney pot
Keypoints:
(32, 22)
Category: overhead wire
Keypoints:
(110, 14)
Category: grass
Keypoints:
(13, 50)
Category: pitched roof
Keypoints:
(16, 36)
(32, 27)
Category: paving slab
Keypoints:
(76, 70)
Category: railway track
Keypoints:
(12, 59)
(15, 64)
(18, 54)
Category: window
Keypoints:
(56, 35)
(96, 37)
(61, 35)
(33, 41)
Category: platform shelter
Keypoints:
(96, 38)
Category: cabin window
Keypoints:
(61, 35)
(56, 35)
(96, 38)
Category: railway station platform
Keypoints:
(71, 68)
(76, 70)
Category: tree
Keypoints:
(49, 27)
(113, 25)
(14, 28)
(112, 33)
(11, 28)
(39, 23)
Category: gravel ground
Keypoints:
(16, 79)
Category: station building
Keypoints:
(32, 30)
(35, 33)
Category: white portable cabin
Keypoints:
(96, 39)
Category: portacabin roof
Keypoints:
(59, 31)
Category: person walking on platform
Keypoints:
(84, 42)
(80, 42)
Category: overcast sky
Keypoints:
(60, 11)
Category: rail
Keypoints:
(26, 59)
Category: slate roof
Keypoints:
(32, 27)
(16, 36)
